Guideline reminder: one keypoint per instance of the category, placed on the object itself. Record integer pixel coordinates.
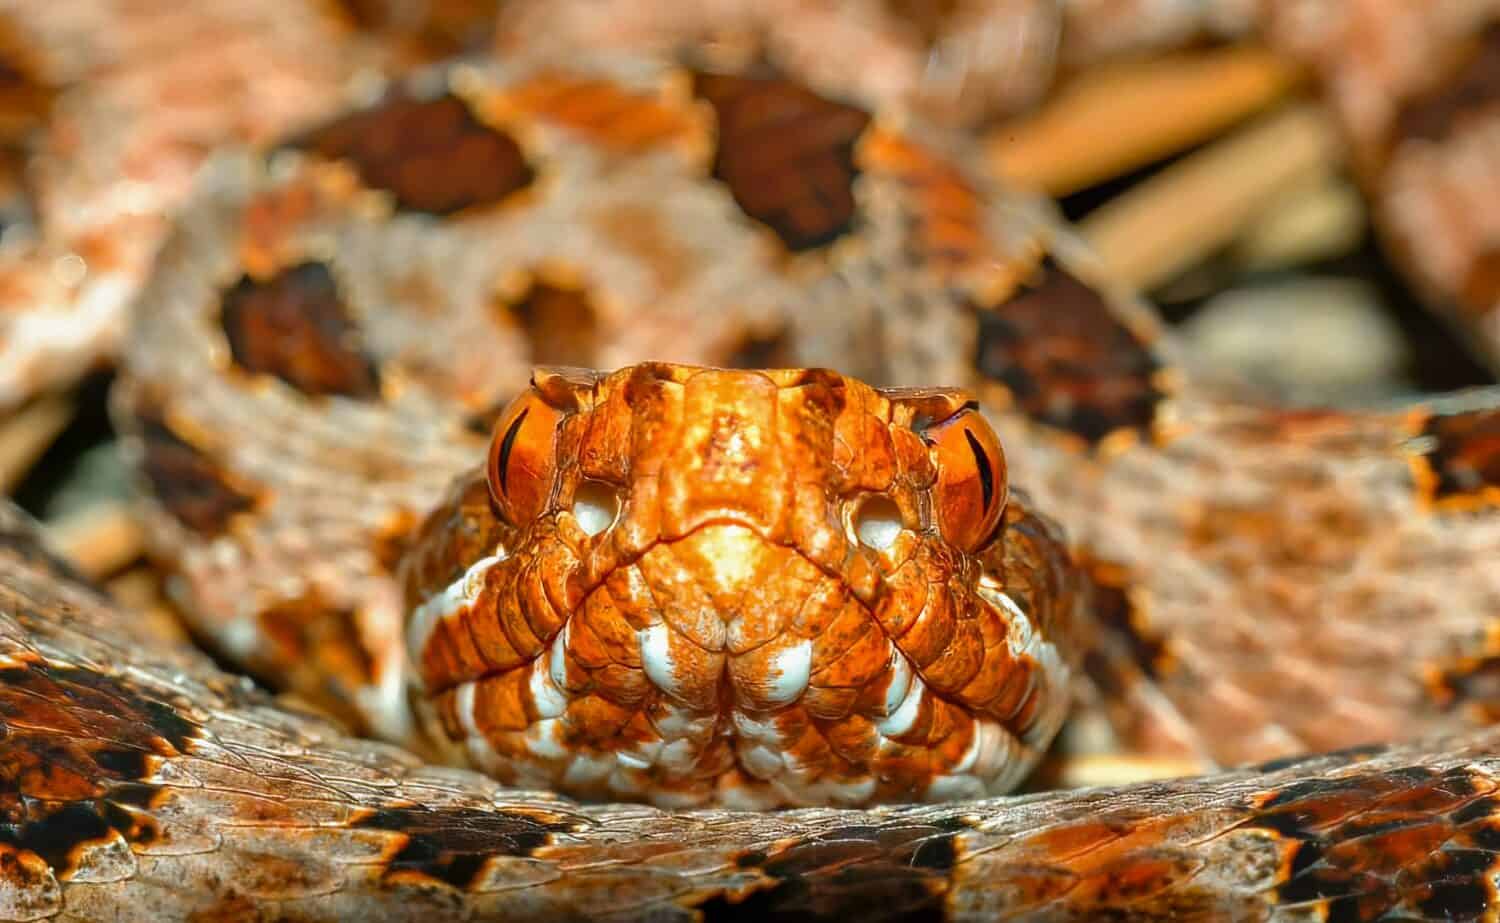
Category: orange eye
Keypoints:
(971, 485)
(522, 457)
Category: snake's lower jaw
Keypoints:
(723, 668)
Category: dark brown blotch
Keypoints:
(1400, 843)
(295, 326)
(452, 845)
(1461, 466)
(316, 648)
(78, 745)
(1067, 360)
(1127, 629)
(428, 31)
(561, 324)
(188, 483)
(896, 872)
(432, 155)
(769, 350)
(786, 154)
(1472, 85)
(1470, 684)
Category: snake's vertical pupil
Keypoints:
(507, 445)
(970, 488)
(986, 468)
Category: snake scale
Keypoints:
(333, 329)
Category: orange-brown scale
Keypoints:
(605, 113)
(728, 635)
(1459, 468)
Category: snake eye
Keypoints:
(971, 484)
(522, 456)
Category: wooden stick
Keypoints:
(27, 434)
(1306, 224)
(1121, 769)
(1116, 118)
(1172, 221)
(99, 540)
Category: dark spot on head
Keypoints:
(294, 326)
(187, 482)
(1461, 467)
(1067, 360)
(1473, 85)
(786, 154)
(431, 154)
(561, 324)
(451, 845)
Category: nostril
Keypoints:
(877, 522)
(595, 506)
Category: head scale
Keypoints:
(756, 587)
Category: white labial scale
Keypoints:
(1023, 640)
(899, 669)
(453, 598)
(760, 760)
(588, 769)
(547, 697)
(993, 762)
(904, 717)
(542, 740)
(557, 658)
(476, 746)
(642, 756)
(656, 657)
(791, 669)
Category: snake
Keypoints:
(763, 641)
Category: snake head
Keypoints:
(771, 587)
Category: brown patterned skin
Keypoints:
(295, 437)
(109, 107)
(1413, 83)
(142, 783)
(754, 588)
(98, 138)
(1251, 556)
(335, 323)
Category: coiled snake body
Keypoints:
(328, 340)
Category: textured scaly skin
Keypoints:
(193, 795)
(142, 783)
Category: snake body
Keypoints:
(327, 341)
